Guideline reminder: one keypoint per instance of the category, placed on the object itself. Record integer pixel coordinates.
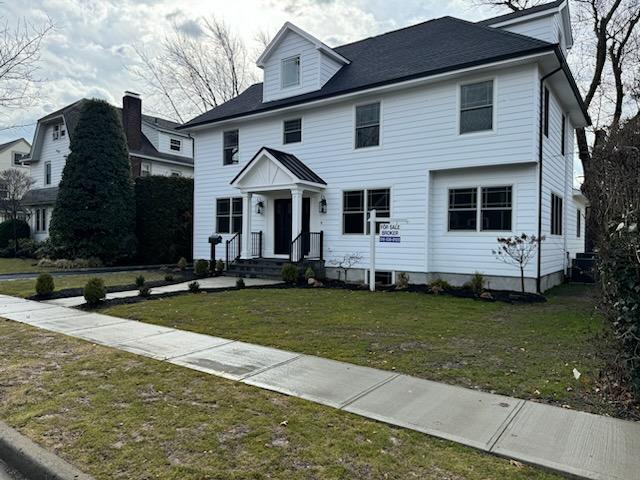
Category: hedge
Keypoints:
(164, 219)
(6, 231)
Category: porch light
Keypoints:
(323, 205)
(260, 207)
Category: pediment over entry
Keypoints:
(271, 169)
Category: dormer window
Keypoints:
(290, 71)
(58, 131)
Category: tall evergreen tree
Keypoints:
(94, 215)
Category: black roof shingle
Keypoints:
(436, 46)
(290, 162)
(40, 196)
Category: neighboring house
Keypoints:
(11, 155)
(155, 148)
(462, 131)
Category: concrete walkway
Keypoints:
(213, 282)
(571, 442)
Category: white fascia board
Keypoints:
(165, 130)
(162, 160)
(531, 16)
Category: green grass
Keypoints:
(527, 351)
(119, 416)
(20, 265)
(26, 288)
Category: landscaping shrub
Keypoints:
(201, 268)
(194, 287)
(94, 215)
(290, 273)
(140, 281)
(240, 283)
(438, 286)
(164, 224)
(309, 273)
(219, 266)
(44, 285)
(144, 291)
(94, 291)
(402, 281)
(6, 231)
(182, 263)
(168, 278)
(476, 284)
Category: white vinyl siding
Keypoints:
(54, 151)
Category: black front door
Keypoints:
(282, 226)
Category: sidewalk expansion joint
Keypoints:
(265, 369)
(503, 428)
(211, 347)
(367, 391)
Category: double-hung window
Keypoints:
(229, 215)
(556, 214)
(492, 213)
(368, 125)
(47, 173)
(58, 131)
(357, 203)
(290, 71)
(476, 107)
(41, 220)
(175, 144)
(230, 140)
(145, 169)
(17, 157)
(292, 131)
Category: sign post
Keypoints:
(389, 233)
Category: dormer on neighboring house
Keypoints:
(550, 22)
(296, 62)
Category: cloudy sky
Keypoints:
(93, 42)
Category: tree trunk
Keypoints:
(522, 278)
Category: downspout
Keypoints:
(540, 133)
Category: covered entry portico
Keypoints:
(282, 197)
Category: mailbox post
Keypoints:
(214, 240)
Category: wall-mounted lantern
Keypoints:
(260, 207)
(323, 205)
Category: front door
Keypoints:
(282, 225)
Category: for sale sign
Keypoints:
(390, 233)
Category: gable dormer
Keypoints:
(296, 62)
(550, 22)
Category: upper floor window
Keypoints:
(368, 125)
(290, 73)
(357, 203)
(59, 131)
(145, 169)
(230, 147)
(476, 107)
(292, 131)
(229, 215)
(556, 214)
(17, 158)
(546, 112)
(175, 144)
(47, 173)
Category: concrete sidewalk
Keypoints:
(567, 441)
(211, 282)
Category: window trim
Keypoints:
(230, 216)
(224, 148)
(48, 173)
(494, 117)
(378, 270)
(301, 130)
(479, 187)
(171, 144)
(19, 156)
(365, 190)
(554, 231)
(354, 127)
(282, 62)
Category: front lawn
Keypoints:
(120, 416)
(527, 351)
(26, 288)
(20, 265)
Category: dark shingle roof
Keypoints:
(290, 162)
(422, 50)
(40, 196)
(521, 13)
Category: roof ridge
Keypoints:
(503, 32)
(521, 13)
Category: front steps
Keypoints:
(269, 268)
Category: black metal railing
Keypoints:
(309, 245)
(256, 244)
(233, 249)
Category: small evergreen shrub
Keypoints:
(402, 280)
(144, 291)
(309, 273)
(201, 268)
(476, 284)
(44, 285)
(438, 286)
(219, 265)
(240, 283)
(140, 281)
(194, 287)
(168, 277)
(94, 291)
(182, 263)
(290, 273)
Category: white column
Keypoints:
(246, 225)
(296, 212)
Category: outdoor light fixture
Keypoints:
(260, 207)
(323, 205)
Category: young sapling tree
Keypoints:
(517, 251)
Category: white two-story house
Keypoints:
(462, 132)
(155, 148)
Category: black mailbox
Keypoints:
(215, 239)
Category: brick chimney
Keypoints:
(132, 119)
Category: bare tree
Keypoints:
(20, 48)
(195, 72)
(14, 184)
(517, 251)
(513, 5)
